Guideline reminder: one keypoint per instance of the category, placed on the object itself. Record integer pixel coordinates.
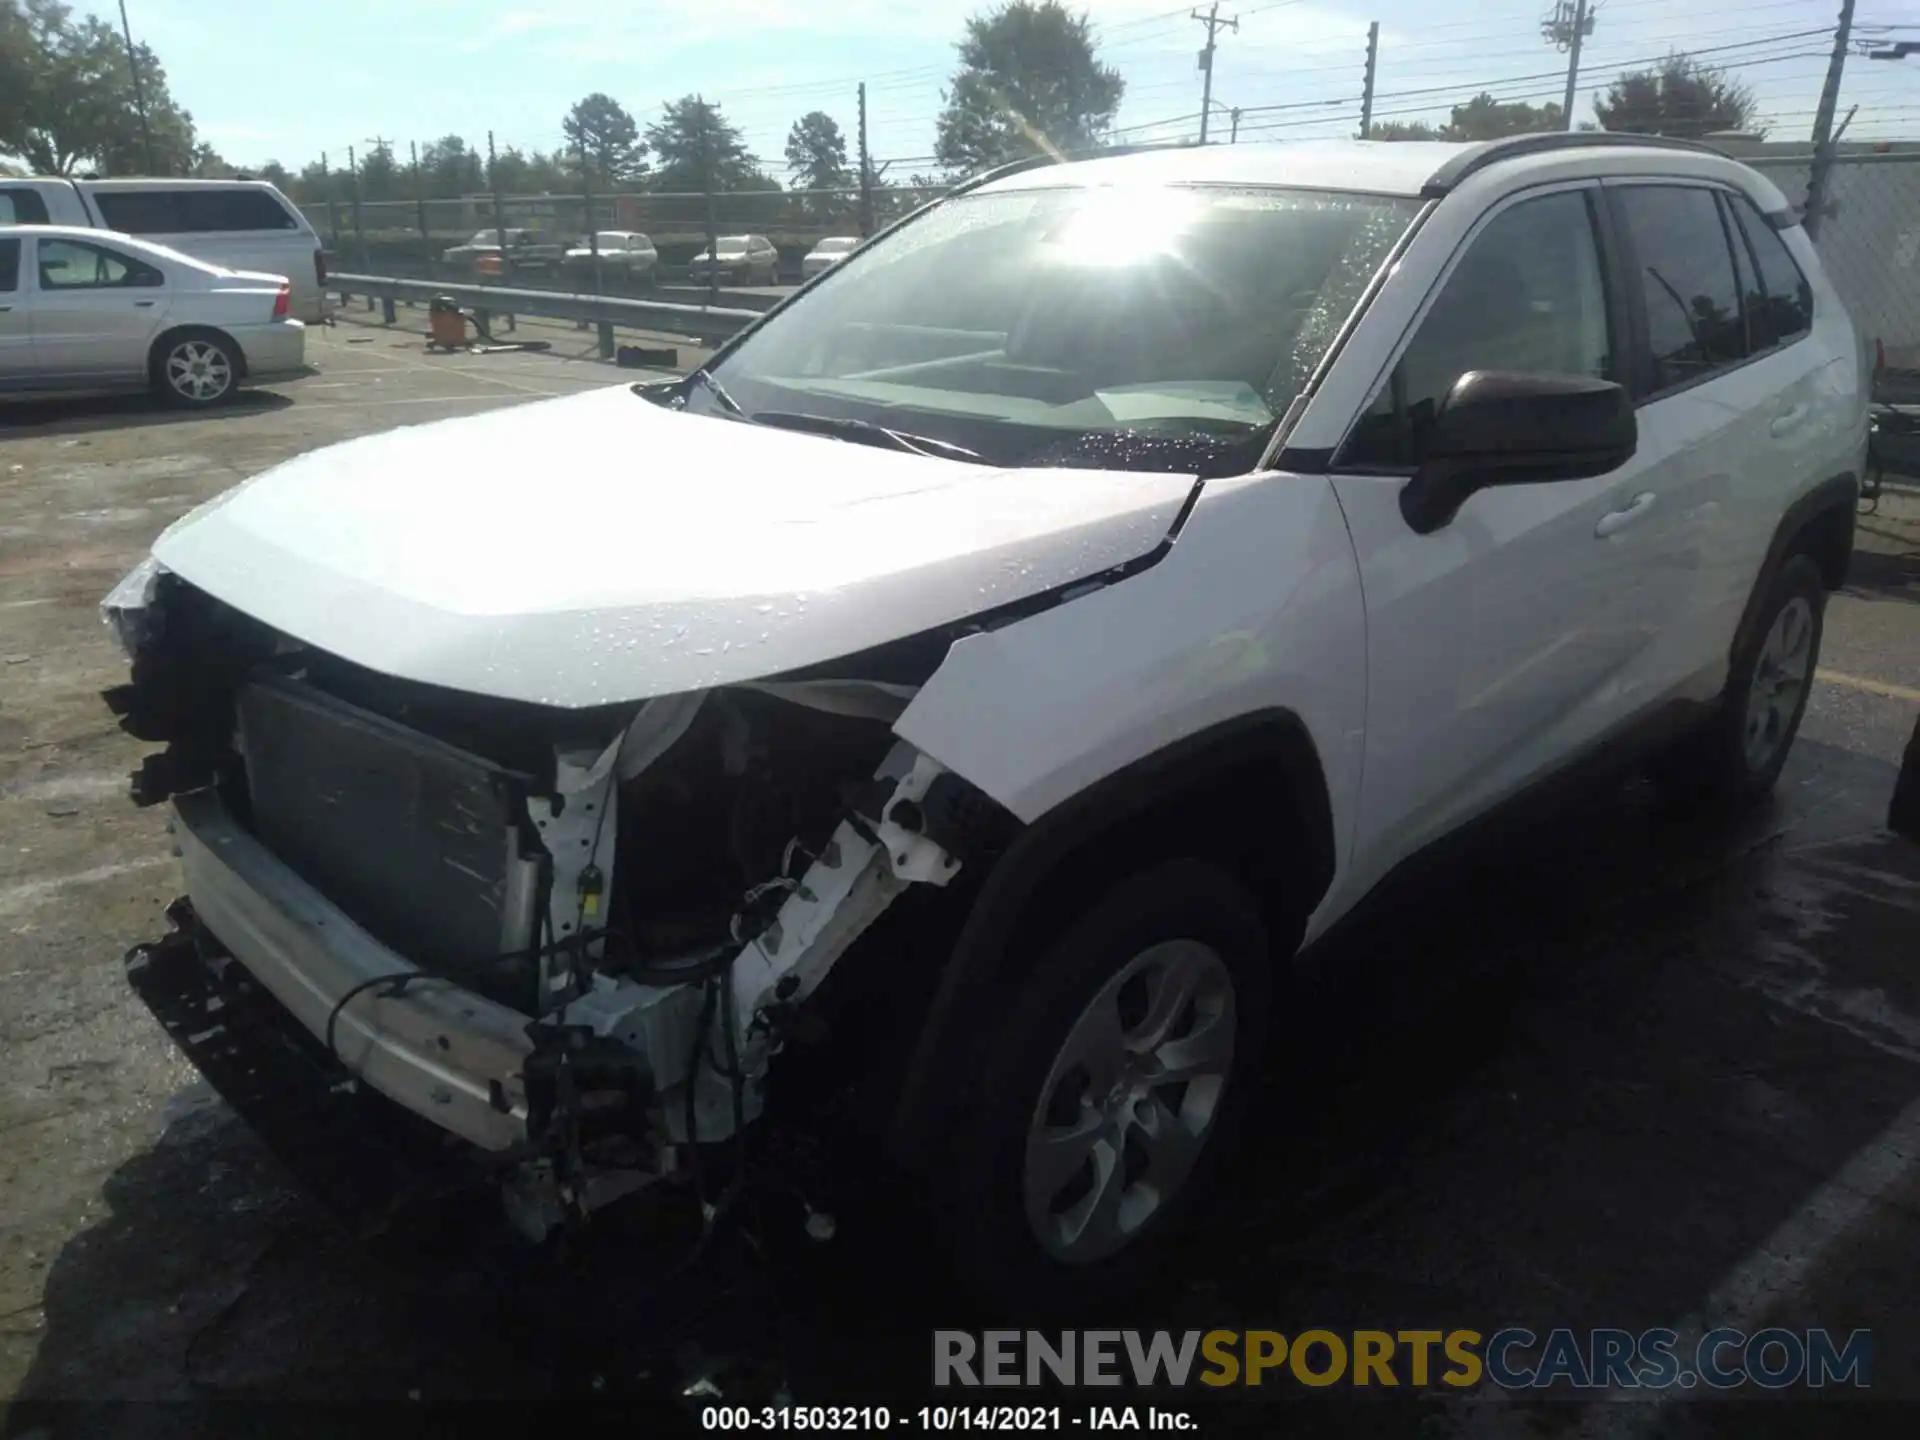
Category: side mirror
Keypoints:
(1500, 427)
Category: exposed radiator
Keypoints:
(418, 841)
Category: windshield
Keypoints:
(1151, 328)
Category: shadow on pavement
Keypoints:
(1572, 1081)
(82, 415)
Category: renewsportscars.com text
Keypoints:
(1513, 1358)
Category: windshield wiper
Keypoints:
(865, 432)
(719, 392)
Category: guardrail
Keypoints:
(707, 324)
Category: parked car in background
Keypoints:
(626, 258)
(237, 224)
(738, 260)
(827, 254)
(527, 250)
(82, 309)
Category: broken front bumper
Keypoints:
(448, 1055)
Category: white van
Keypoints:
(239, 224)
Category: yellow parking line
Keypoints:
(1872, 687)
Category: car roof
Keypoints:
(1413, 168)
(151, 182)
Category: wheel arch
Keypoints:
(1818, 525)
(1215, 794)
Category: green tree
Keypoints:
(517, 172)
(1403, 130)
(600, 128)
(817, 153)
(1485, 118)
(1678, 97)
(1028, 83)
(67, 97)
(377, 175)
(449, 168)
(695, 143)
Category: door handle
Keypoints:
(1614, 521)
(1787, 419)
(143, 304)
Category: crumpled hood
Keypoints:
(599, 548)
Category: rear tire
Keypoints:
(1734, 760)
(194, 369)
(1110, 1092)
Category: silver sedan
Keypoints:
(88, 309)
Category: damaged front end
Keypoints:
(574, 939)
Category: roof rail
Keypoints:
(1492, 152)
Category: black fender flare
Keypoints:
(1837, 494)
(1273, 738)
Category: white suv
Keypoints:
(993, 665)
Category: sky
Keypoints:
(287, 81)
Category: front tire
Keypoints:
(195, 369)
(1737, 757)
(1111, 1090)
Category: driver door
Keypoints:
(1496, 644)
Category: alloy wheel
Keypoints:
(1129, 1101)
(1779, 683)
(198, 370)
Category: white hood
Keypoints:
(600, 548)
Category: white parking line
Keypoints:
(1778, 1270)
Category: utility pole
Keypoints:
(1233, 136)
(333, 208)
(706, 184)
(139, 90)
(1568, 25)
(420, 204)
(499, 210)
(1214, 25)
(1823, 137)
(866, 170)
(1366, 93)
(353, 201)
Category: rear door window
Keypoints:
(1785, 312)
(21, 206)
(1690, 298)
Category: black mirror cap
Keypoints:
(1501, 427)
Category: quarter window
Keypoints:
(9, 265)
(1694, 324)
(71, 265)
(1527, 295)
(1786, 309)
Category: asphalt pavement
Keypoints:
(1630, 1069)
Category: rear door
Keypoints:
(95, 311)
(16, 321)
(1708, 397)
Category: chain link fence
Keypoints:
(441, 238)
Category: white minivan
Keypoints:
(236, 224)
